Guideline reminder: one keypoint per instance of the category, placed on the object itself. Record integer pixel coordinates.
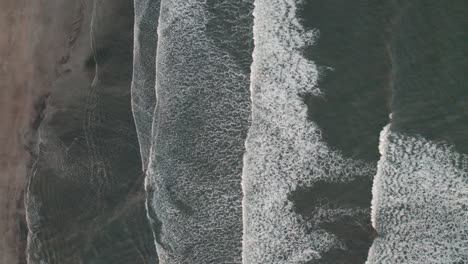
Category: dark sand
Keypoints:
(33, 41)
(72, 143)
(86, 200)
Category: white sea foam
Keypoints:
(284, 149)
(419, 202)
(199, 129)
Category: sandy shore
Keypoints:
(35, 39)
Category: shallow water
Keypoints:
(85, 196)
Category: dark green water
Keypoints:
(430, 80)
(353, 41)
(408, 58)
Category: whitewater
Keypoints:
(419, 202)
(199, 127)
(222, 162)
(284, 149)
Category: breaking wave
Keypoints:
(419, 202)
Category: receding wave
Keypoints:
(143, 79)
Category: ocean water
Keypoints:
(199, 128)
(355, 62)
(420, 190)
(430, 83)
(353, 54)
(255, 131)
(324, 81)
(349, 65)
(286, 220)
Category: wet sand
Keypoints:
(34, 40)
(49, 62)
(85, 201)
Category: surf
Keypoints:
(285, 150)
